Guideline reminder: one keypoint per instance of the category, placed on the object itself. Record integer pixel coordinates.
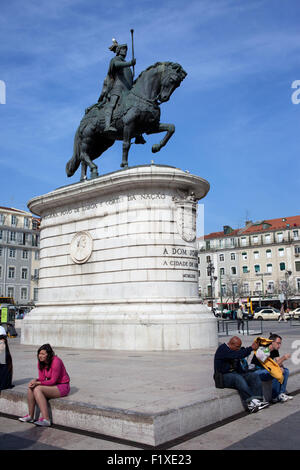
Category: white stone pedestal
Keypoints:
(119, 265)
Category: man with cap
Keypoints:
(119, 79)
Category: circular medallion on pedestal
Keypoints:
(81, 247)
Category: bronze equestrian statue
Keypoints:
(125, 110)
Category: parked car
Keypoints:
(295, 313)
(269, 313)
(248, 316)
(257, 309)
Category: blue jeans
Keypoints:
(248, 385)
(277, 387)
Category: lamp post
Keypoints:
(210, 272)
(263, 288)
(287, 274)
(221, 294)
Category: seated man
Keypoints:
(272, 351)
(227, 363)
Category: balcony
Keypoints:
(240, 243)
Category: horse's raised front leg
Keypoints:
(169, 129)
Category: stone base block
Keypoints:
(128, 326)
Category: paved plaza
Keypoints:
(148, 398)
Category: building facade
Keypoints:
(260, 261)
(19, 255)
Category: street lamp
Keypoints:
(210, 273)
(287, 274)
(263, 287)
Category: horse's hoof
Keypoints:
(155, 148)
(94, 174)
(124, 165)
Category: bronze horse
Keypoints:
(138, 112)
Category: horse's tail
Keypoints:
(74, 162)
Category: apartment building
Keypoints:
(260, 260)
(19, 255)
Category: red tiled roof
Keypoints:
(275, 224)
(11, 209)
(221, 234)
(256, 227)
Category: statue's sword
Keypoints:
(132, 31)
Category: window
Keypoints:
(268, 238)
(297, 265)
(232, 256)
(12, 253)
(269, 268)
(221, 257)
(223, 289)
(222, 271)
(298, 284)
(0, 272)
(257, 268)
(256, 254)
(36, 255)
(208, 259)
(255, 239)
(297, 250)
(24, 293)
(12, 236)
(13, 220)
(221, 243)
(245, 269)
(279, 237)
(24, 273)
(234, 288)
(2, 219)
(258, 286)
(35, 294)
(296, 234)
(11, 272)
(35, 225)
(26, 222)
(1, 234)
(233, 270)
(25, 254)
(10, 292)
(282, 266)
(1, 251)
(244, 255)
(281, 252)
(270, 287)
(207, 245)
(245, 288)
(243, 241)
(269, 253)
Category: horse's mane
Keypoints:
(168, 64)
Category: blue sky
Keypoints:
(236, 125)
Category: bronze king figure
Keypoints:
(125, 109)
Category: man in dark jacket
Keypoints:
(228, 365)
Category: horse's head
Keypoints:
(172, 76)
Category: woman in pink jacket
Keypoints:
(53, 382)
